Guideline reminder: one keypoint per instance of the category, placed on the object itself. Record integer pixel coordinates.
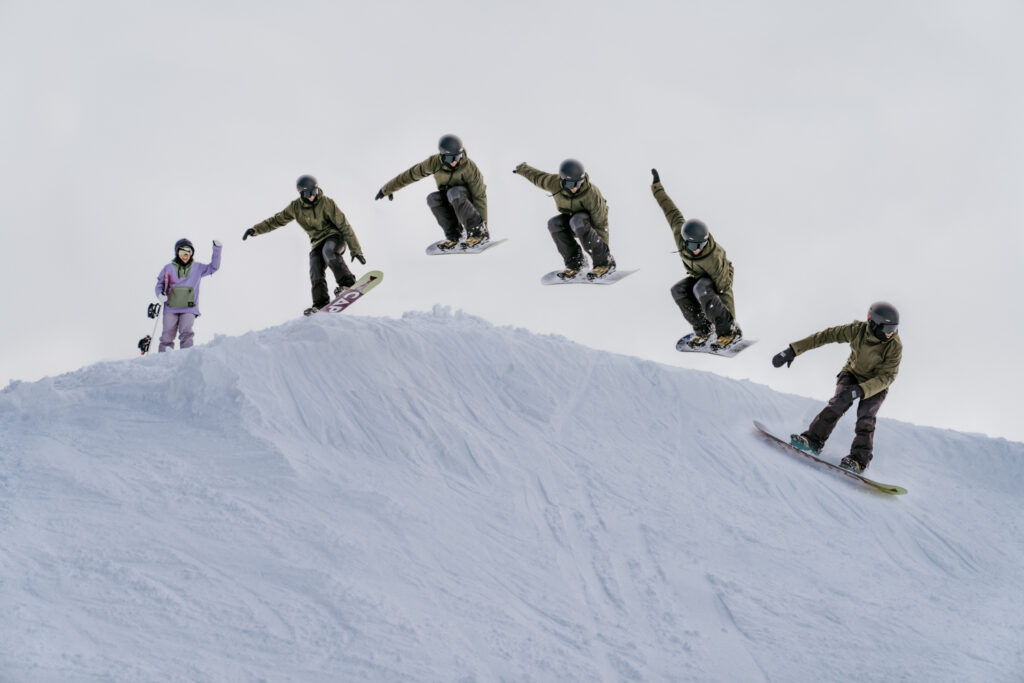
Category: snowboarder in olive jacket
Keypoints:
(460, 202)
(582, 216)
(875, 355)
(178, 283)
(705, 296)
(329, 231)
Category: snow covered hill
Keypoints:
(433, 498)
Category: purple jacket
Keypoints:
(181, 284)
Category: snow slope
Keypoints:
(435, 498)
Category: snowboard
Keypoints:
(583, 278)
(728, 351)
(885, 488)
(436, 250)
(349, 296)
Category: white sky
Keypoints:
(840, 155)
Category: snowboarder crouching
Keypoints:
(460, 202)
(582, 217)
(875, 355)
(705, 296)
(178, 282)
(329, 231)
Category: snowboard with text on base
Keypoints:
(885, 488)
(727, 351)
(462, 248)
(349, 296)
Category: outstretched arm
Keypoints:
(833, 335)
(427, 167)
(549, 182)
(275, 221)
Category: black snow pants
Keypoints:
(329, 254)
(864, 437)
(455, 212)
(698, 299)
(566, 230)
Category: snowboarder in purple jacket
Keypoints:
(178, 282)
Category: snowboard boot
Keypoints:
(311, 310)
(730, 337)
(601, 271)
(801, 442)
(447, 245)
(699, 339)
(849, 463)
(478, 237)
(339, 289)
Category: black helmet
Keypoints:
(450, 149)
(183, 244)
(571, 172)
(695, 235)
(883, 319)
(307, 187)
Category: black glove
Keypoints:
(657, 178)
(784, 357)
(360, 257)
(248, 233)
(854, 392)
(380, 195)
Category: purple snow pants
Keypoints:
(180, 323)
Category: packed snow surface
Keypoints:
(433, 498)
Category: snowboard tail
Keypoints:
(891, 489)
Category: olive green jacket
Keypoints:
(588, 198)
(319, 219)
(465, 174)
(712, 261)
(874, 363)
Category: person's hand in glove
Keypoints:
(784, 357)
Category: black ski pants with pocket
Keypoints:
(823, 424)
(455, 212)
(566, 230)
(698, 299)
(329, 254)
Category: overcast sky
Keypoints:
(840, 154)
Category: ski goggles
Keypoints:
(571, 183)
(695, 246)
(308, 192)
(187, 250)
(451, 158)
(887, 328)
